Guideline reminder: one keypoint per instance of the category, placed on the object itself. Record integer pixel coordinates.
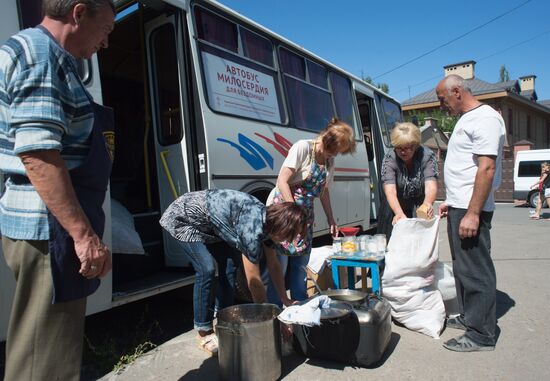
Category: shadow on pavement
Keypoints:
(504, 303)
(209, 370)
(291, 362)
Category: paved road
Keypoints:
(522, 259)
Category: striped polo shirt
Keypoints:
(43, 106)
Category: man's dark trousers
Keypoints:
(475, 277)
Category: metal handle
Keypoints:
(229, 329)
(313, 280)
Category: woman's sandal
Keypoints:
(209, 344)
(535, 217)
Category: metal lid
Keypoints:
(336, 310)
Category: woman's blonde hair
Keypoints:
(545, 167)
(404, 134)
(338, 134)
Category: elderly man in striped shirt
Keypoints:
(56, 168)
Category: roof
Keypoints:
(531, 94)
(545, 103)
(477, 86)
(459, 63)
(433, 137)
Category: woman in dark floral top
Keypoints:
(409, 176)
(244, 223)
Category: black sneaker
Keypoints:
(456, 323)
(465, 344)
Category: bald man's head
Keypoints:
(454, 95)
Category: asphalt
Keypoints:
(520, 248)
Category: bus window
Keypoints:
(391, 114)
(341, 89)
(310, 105)
(239, 79)
(30, 13)
(292, 64)
(317, 74)
(167, 85)
(216, 30)
(257, 48)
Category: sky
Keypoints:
(369, 38)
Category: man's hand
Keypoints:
(95, 257)
(468, 226)
(443, 210)
(49, 176)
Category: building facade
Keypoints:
(526, 118)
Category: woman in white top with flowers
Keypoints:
(306, 174)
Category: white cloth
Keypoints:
(308, 314)
(547, 193)
(318, 258)
(480, 131)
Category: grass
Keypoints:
(116, 338)
(130, 358)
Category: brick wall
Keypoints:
(503, 194)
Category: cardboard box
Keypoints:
(324, 279)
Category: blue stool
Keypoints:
(351, 263)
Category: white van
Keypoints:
(527, 172)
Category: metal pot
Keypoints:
(345, 295)
(249, 343)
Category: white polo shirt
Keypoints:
(480, 131)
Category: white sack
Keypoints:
(125, 238)
(445, 283)
(408, 279)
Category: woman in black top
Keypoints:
(409, 177)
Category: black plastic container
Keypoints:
(359, 338)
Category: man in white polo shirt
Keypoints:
(472, 172)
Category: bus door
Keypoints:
(372, 140)
(169, 117)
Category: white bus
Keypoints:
(206, 98)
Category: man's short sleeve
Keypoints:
(36, 112)
(487, 136)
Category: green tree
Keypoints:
(384, 87)
(503, 74)
(381, 85)
(445, 122)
